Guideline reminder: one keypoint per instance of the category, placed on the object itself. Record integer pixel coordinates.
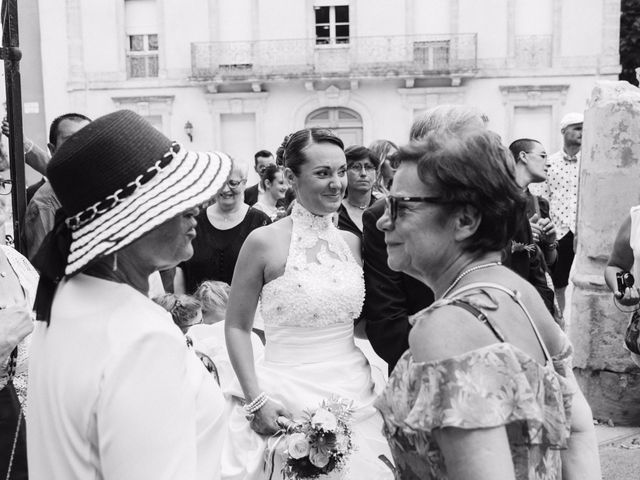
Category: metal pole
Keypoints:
(11, 55)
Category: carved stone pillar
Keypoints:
(609, 186)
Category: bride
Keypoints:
(308, 276)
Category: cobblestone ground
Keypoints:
(619, 452)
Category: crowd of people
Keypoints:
(185, 321)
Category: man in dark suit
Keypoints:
(390, 297)
(261, 159)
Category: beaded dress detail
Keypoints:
(310, 354)
(320, 267)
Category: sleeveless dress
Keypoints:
(310, 354)
(492, 386)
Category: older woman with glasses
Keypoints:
(486, 389)
(222, 229)
(362, 165)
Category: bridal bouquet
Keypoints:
(321, 442)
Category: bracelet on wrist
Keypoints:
(257, 403)
(551, 246)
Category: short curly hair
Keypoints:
(355, 153)
(471, 167)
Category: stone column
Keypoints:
(609, 186)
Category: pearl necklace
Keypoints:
(467, 272)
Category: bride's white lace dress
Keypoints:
(310, 353)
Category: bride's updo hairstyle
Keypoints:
(294, 146)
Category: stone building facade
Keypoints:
(243, 73)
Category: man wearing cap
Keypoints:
(561, 189)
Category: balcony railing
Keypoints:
(362, 56)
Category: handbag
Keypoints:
(633, 333)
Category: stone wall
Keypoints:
(609, 186)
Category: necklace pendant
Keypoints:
(361, 207)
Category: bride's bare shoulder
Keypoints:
(270, 236)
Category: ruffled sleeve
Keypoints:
(498, 385)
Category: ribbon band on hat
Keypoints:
(118, 178)
(119, 195)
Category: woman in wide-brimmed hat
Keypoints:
(114, 391)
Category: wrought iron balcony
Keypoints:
(415, 55)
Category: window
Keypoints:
(332, 25)
(345, 123)
(434, 55)
(141, 27)
(142, 56)
(156, 109)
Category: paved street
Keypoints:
(619, 452)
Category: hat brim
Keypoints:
(188, 181)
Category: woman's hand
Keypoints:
(631, 296)
(543, 230)
(548, 231)
(265, 420)
(536, 230)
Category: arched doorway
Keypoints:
(344, 122)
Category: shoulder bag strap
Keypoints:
(515, 296)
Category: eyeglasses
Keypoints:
(235, 184)
(541, 155)
(357, 167)
(5, 186)
(392, 204)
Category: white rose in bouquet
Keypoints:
(325, 420)
(298, 445)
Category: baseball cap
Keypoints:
(571, 119)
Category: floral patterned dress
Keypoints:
(496, 385)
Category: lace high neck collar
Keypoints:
(303, 217)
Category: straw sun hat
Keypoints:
(119, 178)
